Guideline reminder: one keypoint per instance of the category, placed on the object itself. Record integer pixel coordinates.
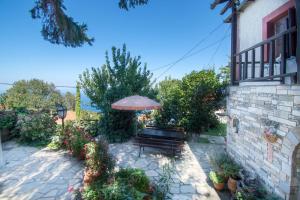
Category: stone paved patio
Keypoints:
(31, 173)
(190, 180)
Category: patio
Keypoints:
(32, 173)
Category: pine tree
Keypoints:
(59, 28)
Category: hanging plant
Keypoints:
(270, 131)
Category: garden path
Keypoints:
(32, 173)
(190, 176)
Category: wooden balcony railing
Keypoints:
(258, 62)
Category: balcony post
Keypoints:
(297, 3)
(233, 43)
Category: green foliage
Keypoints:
(33, 95)
(74, 139)
(98, 158)
(171, 96)
(255, 192)
(202, 96)
(225, 165)
(126, 4)
(134, 178)
(70, 102)
(78, 101)
(224, 75)
(90, 193)
(190, 103)
(35, 128)
(58, 28)
(164, 182)
(216, 178)
(120, 77)
(7, 120)
(219, 130)
(2, 101)
(203, 140)
(121, 191)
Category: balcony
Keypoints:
(271, 60)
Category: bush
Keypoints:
(121, 191)
(74, 139)
(190, 102)
(7, 120)
(35, 127)
(97, 157)
(134, 178)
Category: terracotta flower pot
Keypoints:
(219, 186)
(232, 184)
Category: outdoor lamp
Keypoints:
(61, 112)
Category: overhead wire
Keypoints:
(193, 54)
(192, 49)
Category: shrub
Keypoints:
(134, 178)
(162, 189)
(7, 120)
(35, 127)
(120, 191)
(191, 102)
(90, 193)
(74, 139)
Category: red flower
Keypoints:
(70, 189)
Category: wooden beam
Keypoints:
(297, 4)
(216, 2)
(227, 6)
(233, 43)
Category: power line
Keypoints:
(192, 49)
(218, 47)
(59, 86)
(195, 53)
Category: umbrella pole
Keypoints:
(135, 123)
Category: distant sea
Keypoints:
(85, 101)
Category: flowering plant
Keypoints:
(270, 131)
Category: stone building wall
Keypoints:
(249, 105)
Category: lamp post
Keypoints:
(61, 112)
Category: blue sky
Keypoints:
(160, 33)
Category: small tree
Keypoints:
(33, 95)
(78, 101)
(120, 77)
(202, 97)
(170, 95)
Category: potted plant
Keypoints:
(217, 179)
(231, 170)
(270, 131)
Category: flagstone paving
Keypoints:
(31, 173)
(190, 176)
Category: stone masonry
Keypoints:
(248, 105)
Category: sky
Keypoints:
(160, 32)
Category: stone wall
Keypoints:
(249, 105)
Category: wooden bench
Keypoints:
(173, 145)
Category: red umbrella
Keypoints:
(136, 102)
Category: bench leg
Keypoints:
(140, 151)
